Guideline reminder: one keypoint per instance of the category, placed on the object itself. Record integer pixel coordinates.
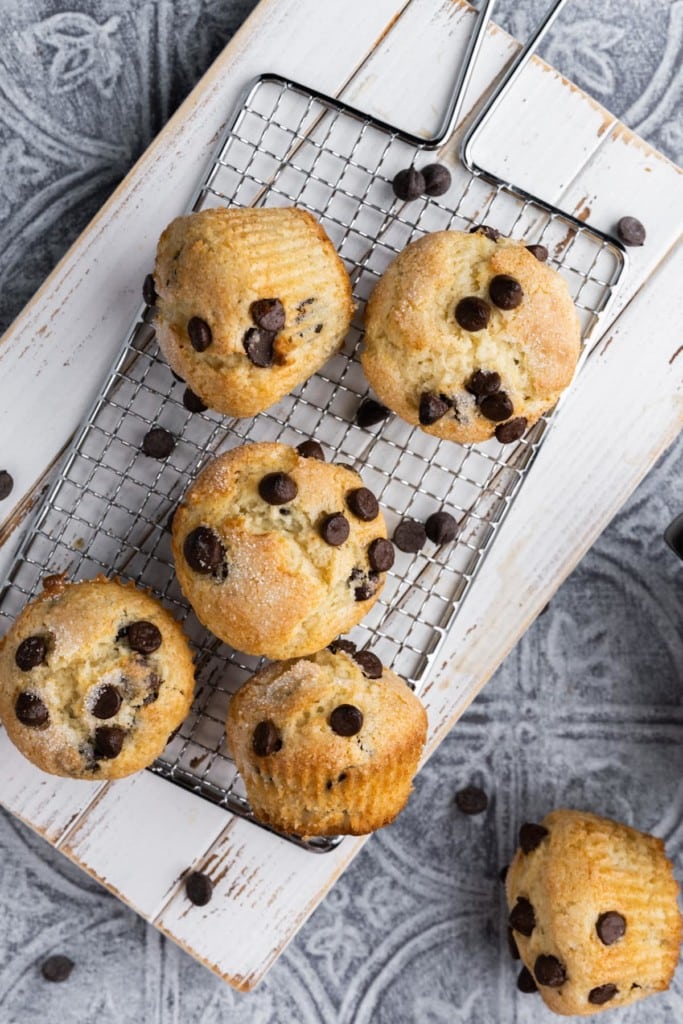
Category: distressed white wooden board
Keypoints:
(510, 596)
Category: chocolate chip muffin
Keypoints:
(94, 676)
(327, 745)
(470, 336)
(249, 303)
(277, 552)
(593, 912)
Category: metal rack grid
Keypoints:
(109, 507)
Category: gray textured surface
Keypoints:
(586, 711)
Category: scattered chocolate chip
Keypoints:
(432, 407)
(437, 179)
(158, 443)
(31, 652)
(472, 313)
(335, 529)
(347, 646)
(549, 971)
(488, 232)
(311, 450)
(410, 535)
(471, 800)
(258, 344)
(6, 484)
(266, 739)
(496, 407)
(200, 334)
(602, 994)
(610, 927)
(346, 720)
(108, 742)
(512, 945)
(381, 554)
(483, 382)
(511, 431)
(503, 873)
(31, 711)
(108, 702)
(368, 586)
(198, 888)
(539, 251)
(371, 412)
(408, 184)
(441, 527)
(522, 917)
(57, 968)
(370, 663)
(531, 836)
(363, 504)
(505, 292)
(525, 982)
(268, 314)
(631, 231)
(143, 637)
(192, 402)
(203, 550)
(149, 291)
(277, 488)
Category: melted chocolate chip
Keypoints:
(363, 503)
(311, 450)
(370, 664)
(505, 292)
(441, 527)
(410, 536)
(158, 443)
(408, 184)
(266, 739)
(6, 484)
(381, 554)
(522, 917)
(258, 344)
(198, 888)
(268, 314)
(525, 982)
(483, 382)
(437, 179)
(154, 684)
(108, 702)
(143, 637)
(57, 968)
(549, 971)
(371, 412)
(539, 251)
(31, 652)
(108, 742)
(149, 291)
(611, 927)
(631, 231)
(346, 720)
(496, 407)
(192, 402)
(204, 551)
(277, 488)
(432, 407)
(347, 646)
(602, 994)
(335, 529)
(488, 232)
(471, 800)
(472, 313)
(31, 711)
(199, 333)
(531, 836)
(511, 431)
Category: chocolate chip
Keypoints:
(371, 412)
(363, 504)
(203, 550)
(108, 702)
(143, 637)
(511, 431)
(108, 742)
(483, 382)
(539, 251)
(503, 873)
(149, 291)
(154, 685)
(505, 292)
(31, 652)
(432, 407)
(277, 488)
(602, 994)
(410, 535)
(311, 450)
(512, 945)
(488, 232)
(437, 179)
(471, 800)
(200, 334)
(472, 313)
(531, 836)
(31, 711)
(258, 345)
(441, 527)
(409, 184)
(549, 971)
(158, 443)
(6, 484)
(318, 328)
(381, 554)
(522, 917)
(347, 646)
(346, 720)
(198, 888)
(611, 927)
(57, 968)
(369, 585)
(266, 739)
(268, 314)
(371, 665)
(496, 407)
(335, 529)
(525, 982)
(192, 402)
(631, 231)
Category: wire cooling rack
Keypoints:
(109, 507)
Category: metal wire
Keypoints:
(109, 506)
